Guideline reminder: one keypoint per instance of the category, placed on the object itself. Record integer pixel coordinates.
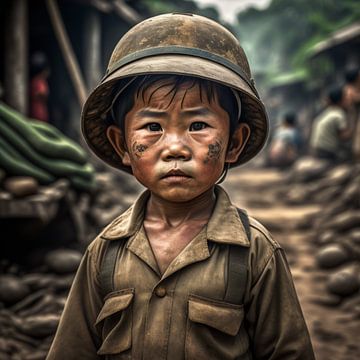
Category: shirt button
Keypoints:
(160, 291)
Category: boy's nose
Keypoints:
(176, 150)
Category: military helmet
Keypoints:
(176, 44)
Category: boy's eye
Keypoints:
(154, 127)
(196, 126)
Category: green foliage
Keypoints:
(156, 7)
(278, 39)
(289, 77)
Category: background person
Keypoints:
(331, 130)
(352, 87)
(39, 88)
(286, 142)
(352, 93)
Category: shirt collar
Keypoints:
(224, 225)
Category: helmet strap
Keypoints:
(224, 173)
(238, 102)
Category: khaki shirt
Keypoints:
(182, 313)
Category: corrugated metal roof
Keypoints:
(337, 38)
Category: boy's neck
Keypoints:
(175, 213)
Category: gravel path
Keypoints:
(334, 328)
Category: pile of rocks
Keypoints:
(314, 180)
(32, 302)
(24, 197)
(338, 237)
(55, 214)
(115, 193)
(33, 288)
(36, 218)
(337, 226)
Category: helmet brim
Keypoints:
(95, 114)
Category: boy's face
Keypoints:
(177, 145)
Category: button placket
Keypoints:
(160, 291)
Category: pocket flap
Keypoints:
(115, 302)
(219, 315)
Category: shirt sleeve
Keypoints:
(341, 123)
(76, 337)
(277, 328)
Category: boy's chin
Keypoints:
(178, 195)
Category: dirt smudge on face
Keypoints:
(213, 152)
(138, 149)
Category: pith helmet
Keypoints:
(180, 44)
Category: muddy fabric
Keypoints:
(182, 313)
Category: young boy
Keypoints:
(183, 273)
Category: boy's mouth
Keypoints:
(175, 173)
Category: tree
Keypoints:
(156, 7)
(278, 38)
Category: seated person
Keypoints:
(331, 129)
(286, 143)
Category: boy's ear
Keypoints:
(116, 138)
(237, 143)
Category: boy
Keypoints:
(182, 273)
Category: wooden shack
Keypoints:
(330, 58)
(77, 37)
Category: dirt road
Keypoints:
(334, 330)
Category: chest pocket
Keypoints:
(212, 330)
(115, 322)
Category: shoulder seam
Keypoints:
(94, 254)
(266, 262)
(266, 234)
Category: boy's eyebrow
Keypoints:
(203, 111)
(152, 113)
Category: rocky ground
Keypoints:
(312, 210)
(320, 234)
(45, 230)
